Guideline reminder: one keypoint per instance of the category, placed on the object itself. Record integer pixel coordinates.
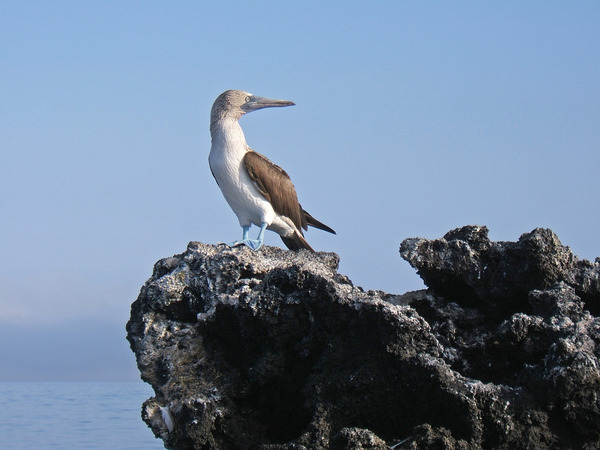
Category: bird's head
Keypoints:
(235, 104)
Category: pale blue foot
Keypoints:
(254, 244)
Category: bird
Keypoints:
(258, 191)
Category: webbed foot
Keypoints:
(254, 244)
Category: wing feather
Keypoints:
(277, 187)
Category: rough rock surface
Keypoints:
(274, 349)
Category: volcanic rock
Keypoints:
(274, 349)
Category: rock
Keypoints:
(357, 438)
(465, 266)
(274, 349)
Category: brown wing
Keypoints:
(276, 186)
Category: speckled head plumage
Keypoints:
(229, 103)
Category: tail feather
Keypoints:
(296, 242)
(310, 220)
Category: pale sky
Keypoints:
(411, 119)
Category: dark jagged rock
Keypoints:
(274, 349)
(465, 265)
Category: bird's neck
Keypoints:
(227, 134)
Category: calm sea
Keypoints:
(66, 415)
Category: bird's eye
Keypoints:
(248, 99)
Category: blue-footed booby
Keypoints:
(258, 191)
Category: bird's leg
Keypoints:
(261, 233)
(246, 229)
(254, 244)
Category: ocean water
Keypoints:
(67, 415)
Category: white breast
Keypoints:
(227, 151)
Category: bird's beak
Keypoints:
(260, 102)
